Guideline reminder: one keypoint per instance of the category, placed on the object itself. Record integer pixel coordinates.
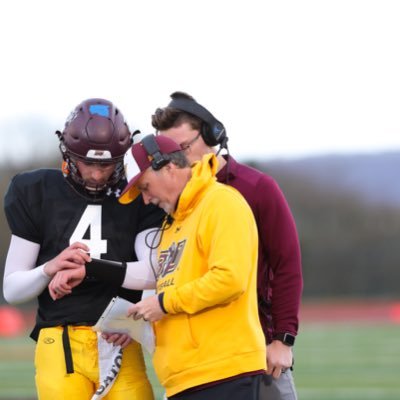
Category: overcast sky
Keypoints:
(287, 78)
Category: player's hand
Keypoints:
(73, 256)
(149, 309)
(279, 358)
(64, 281)
(118, 339)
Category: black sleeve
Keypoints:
(131, 295)
(112, 272)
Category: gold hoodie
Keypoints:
(208, 266)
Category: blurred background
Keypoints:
(308, 92)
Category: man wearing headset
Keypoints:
(209, 341)
(279, 279)
(59, 220)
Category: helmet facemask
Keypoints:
(94, 193)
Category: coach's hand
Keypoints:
(279, 358)
(149, 309)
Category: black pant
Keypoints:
(244, 388)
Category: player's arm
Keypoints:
(23, 281)
(136, 275)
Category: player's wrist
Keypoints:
(48, 270)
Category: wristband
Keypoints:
(112, 272)
(285, 338)
(161, 301)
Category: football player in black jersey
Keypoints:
(59, 220)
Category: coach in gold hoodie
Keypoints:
(209, 342)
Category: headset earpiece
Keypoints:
(212, 131)
(158, 159)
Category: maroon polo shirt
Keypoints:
(279, 279)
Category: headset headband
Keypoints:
(213, 131)
(159, 159)
(194, 108)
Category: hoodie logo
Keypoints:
(169, 259)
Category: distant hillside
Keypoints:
(372, 178)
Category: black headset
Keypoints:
(158, 159)
(212, 131)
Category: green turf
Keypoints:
(348, 362)
(333, 362)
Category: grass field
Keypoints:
(339, 361)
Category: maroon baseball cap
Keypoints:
(138, 159)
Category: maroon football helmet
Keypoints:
(95, 132)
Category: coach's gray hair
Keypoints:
(179, 159)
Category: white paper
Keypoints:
(114, 320)
(110, 360)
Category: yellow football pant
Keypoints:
(53, 382)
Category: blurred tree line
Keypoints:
(349, 247)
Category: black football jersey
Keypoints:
(42, 207)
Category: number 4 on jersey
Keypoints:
(91, 219)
